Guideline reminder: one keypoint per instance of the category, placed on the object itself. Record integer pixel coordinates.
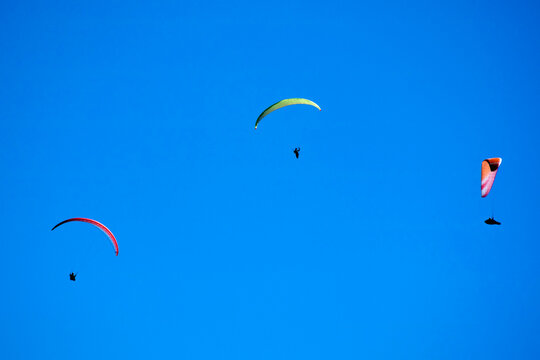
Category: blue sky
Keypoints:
(371, 245)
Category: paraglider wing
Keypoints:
(283, 103)
(489, 171)
(95, 223)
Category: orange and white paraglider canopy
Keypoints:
(489, 171)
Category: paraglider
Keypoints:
(296, 152)
(95, 223)
(72, 276)
(492, 221)
(489, 171)
(283, 103)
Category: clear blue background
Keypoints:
(370, 246)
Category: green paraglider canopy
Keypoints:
(283, 103)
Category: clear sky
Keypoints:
(370, 246)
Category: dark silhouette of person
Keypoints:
(492, 221)
(296, 152)
(72, 276)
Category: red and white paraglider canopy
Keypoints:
(95, 223)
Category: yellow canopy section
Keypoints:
(283, 103)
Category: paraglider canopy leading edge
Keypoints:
(97, 224)
(283, 103)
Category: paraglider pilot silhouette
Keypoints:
(492, 221)
(72, 276)
(296, 152)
